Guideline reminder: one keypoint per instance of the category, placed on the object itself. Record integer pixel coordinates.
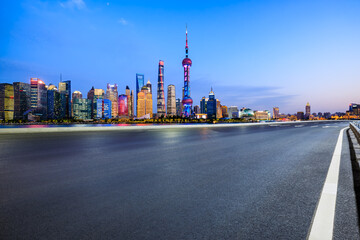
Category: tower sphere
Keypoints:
(187, 61)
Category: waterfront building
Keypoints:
(224, 111)
(327, 115)
(307, 111)
(171, 101)
(218, 109)
(144, 103)
(38, 98)
(94, 95)
(275, 112)
(354, 109)
(262, 115)
(112, 95)
(130, 99)
(65, 91)
(106, 109)
(246, 113)
(81, 108)
(233, 112)
(139, 84)
(300, 115)
(187, 100)
(211, 106)
(6, 101)
(161, 110)
(21, 100)
(149, 86)
(320, 115)
(178, 107)
(203, 105)
(196, 109)
(123, 106)
(53, 102)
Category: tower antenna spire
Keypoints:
(187, 46)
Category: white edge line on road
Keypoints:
(323, 221)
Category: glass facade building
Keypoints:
(123, 106)
(21, 100)
(6, 101)
(38, 98)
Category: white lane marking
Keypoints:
(314, 126)
(298, 125)
(323, 221)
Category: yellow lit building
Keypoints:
(144, 103)
(6, 101)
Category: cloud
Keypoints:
(122, 21)
(79, 4)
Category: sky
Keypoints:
(256, 54)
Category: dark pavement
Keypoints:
(255, 182)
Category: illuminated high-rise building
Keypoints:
(54, 106)
(161, 111)
(130, 100)
(94, 95)
(148, 85)
(21, 100)
(218, 109)
(76, 94)
(307, 111)
(187, 101)
(38, 98)
(224, 110)
(178, 107)
(6, 101)
(211, 106)
(123, 106)
(81, 108)
(171, 101)
(144, 103)
(140, 82)
(276, 112)
(112, 95)
(65, 91)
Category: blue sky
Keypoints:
(257, 54)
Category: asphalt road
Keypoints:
(255, 182)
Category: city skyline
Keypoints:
(316, 50)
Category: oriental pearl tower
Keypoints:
(187, 101)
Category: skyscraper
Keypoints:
(218, 109)
(144, 103)
(76, 94)
(178, 107)
(65, 89)
(187, 101)
(38, 98)
(6, 101)
(307, 111)
(123, 106)
(211, 106)
(81, 108)
(148, 85)
(130, 100)
(275, 112)
(94, 95)
(53, 102)
(161, 111)
(139, 84)
(112, 95)
(171, 101)
(21, 100)
(203, 105)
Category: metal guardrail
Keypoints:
(355, 127)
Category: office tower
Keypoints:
(76, 94)
(112, 95)
(139, 84)
(196, 109)
(161, 111)
(53, 102)
(38, 98)
(224, 111)
(81, 108)
(65, 90)
(300, 115)
(144, 103)
(354, 109)
(218, 109)
(94, 95)
(211, 106)
(262, 115)
(171, 101)
(178, 107)
(123, 106)
(21, 100)
(233, 112)
(130, 100)
(6, 102)
(203, 105)
(275, 112)
(307, 111)
(187, 101)
(148, 85)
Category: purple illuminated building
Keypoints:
(187, 101)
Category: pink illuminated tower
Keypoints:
(187, 101)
